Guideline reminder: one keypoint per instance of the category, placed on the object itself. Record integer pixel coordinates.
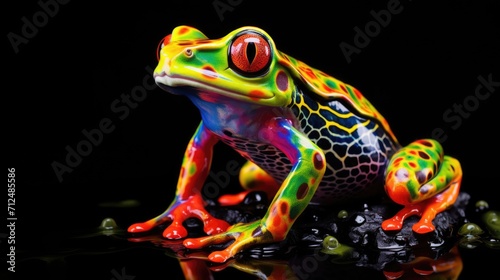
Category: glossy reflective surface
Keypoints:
(108, 251)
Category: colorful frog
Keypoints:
(308, 138)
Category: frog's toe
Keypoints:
(215, 226)
(423, 227)
(141, 227)
(200, 242)
(392, 224)
(241, 242)
(175, 231)
(216, 256)
(220, 256)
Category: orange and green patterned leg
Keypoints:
(292, 198)
(425, 181)
(252, 178)
(188, 202)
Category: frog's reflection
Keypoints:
(318, 263)
(447, 266)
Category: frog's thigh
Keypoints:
(420, 171)
(252, 178)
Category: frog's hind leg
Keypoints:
(426, 209)
(424, 181)
(252, 178)
(436, 205)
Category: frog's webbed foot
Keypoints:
(177, 213)
(425, 181)
(244, 235)
(424, 225)
(396, 222)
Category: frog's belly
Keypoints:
(353, 165)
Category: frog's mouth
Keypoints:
(166, 82)
(172, 84)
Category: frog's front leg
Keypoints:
(425, 181)
(292, 198)
(188, 201)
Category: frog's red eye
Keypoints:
(162, 43)
(250, 54)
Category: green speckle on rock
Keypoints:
(330, 243)
(342, 214)
(482, 205)
(470, 229)
(492, 221)
(332, 246)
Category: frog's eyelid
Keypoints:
(158, 48)
(161, 44)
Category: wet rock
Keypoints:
(357, 225)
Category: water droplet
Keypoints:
(330, 243)
(470, 229)
(360, 219)
(342, 214)
(108, 224)
(482, 205)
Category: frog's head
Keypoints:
(246, 65)
(242, 65)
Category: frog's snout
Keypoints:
(159, 75)
(162, 69)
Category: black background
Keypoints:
(88, 54)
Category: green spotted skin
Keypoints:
(424, 170)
